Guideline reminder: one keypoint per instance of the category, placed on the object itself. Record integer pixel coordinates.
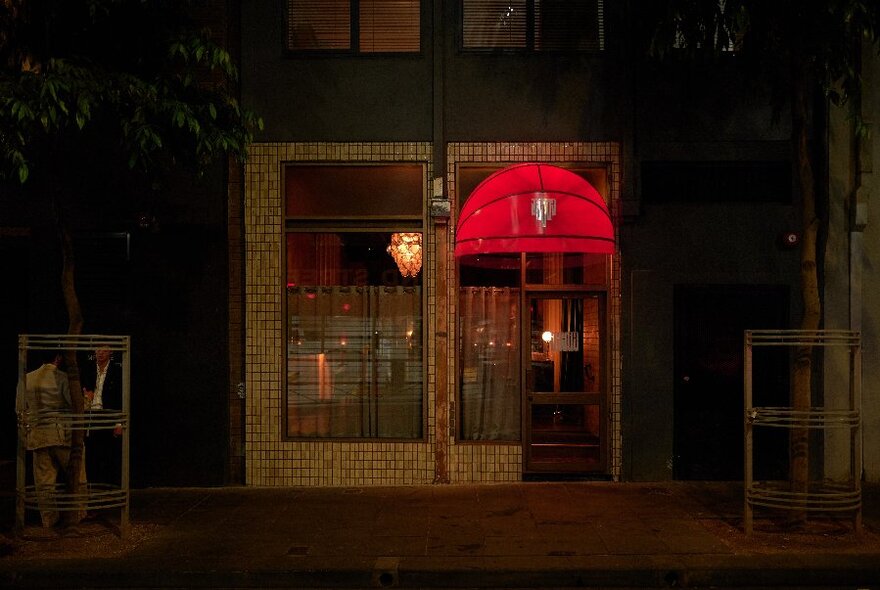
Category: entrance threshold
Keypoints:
(557, 477)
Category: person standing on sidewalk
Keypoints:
(40, 402)
(102, 390)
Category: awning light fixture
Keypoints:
(543, 209)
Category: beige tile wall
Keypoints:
(272, 461)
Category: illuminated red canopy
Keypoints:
(498, 215)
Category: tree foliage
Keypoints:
(132, 78)
(140, 71)
(820, 38)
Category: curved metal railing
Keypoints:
(814, 497)
(820, 498)
(91, 495)
(817, 417)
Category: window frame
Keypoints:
(365, 224)
(354, 48)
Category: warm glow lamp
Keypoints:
(406, 249)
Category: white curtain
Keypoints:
(354, 362)
(490, 363)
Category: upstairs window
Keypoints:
(358, 26)
(533, 25)
(712, 29)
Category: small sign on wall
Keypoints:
(564, 341)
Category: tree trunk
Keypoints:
(801, 395)
(75, 323)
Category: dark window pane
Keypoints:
(343, 258)
(484, 270)
(354, 190)
(567, 269)
(564, 25)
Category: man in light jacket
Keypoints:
(41, 403)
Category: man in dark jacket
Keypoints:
(102, 391)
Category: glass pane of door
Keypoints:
(565, 403)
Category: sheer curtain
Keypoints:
(354, 362)
(397, 326)
(490, 363)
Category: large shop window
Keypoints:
(354, 363)
(489, 357)
(365, 26)
(533, 25)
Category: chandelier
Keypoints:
(543, 209)
(406, 249)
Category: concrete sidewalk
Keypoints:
(573, 534)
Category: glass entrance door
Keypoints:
(564, 405)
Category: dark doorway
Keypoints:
(708, 432)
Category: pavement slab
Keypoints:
(520, 535)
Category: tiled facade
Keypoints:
(273, 461)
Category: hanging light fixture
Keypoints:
(406, 249)
(543, 209)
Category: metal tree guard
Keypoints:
(97, 495)
(824, 497)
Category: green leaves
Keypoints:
(774, 41)
(168, 92)
(197, 49)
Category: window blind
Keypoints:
(494, 24)
(540, 25)
(382, 25)
(389, 26)
(319, 24)
(563, 25)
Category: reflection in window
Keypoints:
(354, 339)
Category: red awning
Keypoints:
(501, 214)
